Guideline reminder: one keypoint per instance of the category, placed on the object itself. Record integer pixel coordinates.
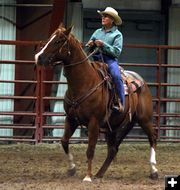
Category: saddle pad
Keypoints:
(134, 86)
(133, 79)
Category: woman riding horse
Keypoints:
(87, 98)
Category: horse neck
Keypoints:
(82, 76)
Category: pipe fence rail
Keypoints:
(166, 121)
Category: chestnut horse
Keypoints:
(86, 101)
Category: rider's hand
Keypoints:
(90, 43)
(98, 43)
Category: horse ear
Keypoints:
(61, 25)
(68, 31)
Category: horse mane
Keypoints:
(61, 29)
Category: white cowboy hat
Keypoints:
(112, 12)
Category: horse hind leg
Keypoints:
(114, 139)
(154, 171)
(147, 126)
(144, 114)
(111, 153)
(70, 127)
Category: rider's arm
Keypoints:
(115, 49)
(90, 44)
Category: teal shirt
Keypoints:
(113, 40)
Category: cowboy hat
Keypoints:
(112, 12)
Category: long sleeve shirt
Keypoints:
(112, 40)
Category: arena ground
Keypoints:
(43, 166)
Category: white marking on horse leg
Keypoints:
(87, 179)
(38, 54)
(153, 160)
(71, 161)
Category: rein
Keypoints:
(79, 100)
(82, 61)
(76, 63)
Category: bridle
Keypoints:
(69, 53)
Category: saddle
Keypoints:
(132, 82)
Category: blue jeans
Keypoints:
(115, 73)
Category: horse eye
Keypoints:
(57, 42)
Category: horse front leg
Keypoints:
(70, 127)
(93, 132)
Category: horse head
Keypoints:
(56, 49)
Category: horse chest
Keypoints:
(84, 111)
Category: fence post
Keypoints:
(158, 90)
(39, 105)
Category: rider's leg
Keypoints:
(117, 78)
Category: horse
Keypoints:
(86, 100)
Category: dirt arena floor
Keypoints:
(44, 166)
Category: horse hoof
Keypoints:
(87, 179)
(71, 172)
(154, 176)
(98, 176)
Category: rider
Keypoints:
(109, 39)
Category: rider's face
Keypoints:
(107, 20)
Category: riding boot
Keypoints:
(118, 107)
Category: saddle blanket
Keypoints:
(134, 86)
(133, 79)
